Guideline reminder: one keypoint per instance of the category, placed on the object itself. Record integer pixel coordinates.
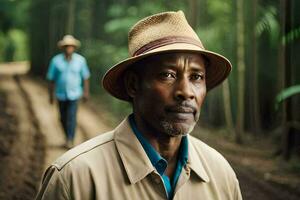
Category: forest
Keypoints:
(259, 101)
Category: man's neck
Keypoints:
(68, 57)
(167, 146)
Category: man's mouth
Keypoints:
(181, 112)
(180, 109)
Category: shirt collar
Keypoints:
(153, 155)
(63, 56)
(184, 151)
(157, 161)
(136, 162)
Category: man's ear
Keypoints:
(131, 82)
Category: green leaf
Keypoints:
(269, 23)
(291, 36)
(286, 93)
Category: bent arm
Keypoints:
(86, 89)
(51, 87)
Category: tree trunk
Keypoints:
(99, 18)
(70, 17)
(39, 34)
(241, 72)
(285, 70)
(254, 77)
(227, 106)
(193, 14)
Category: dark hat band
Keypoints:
(167, 41)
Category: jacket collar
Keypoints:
(135, 160)
(195, 162)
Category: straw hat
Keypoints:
(162, 33)
(68, 40)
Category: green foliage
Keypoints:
(292, 36)
(269, 23)
(13, 14)
(118, 28)
(20, 40)
(218, 34)
(13, 27)
(2, 44)
(220, 8)
(13, 45)
(286, 93)
(102, 26)
(102, 55)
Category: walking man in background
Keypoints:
(68, 74)
(151, 154)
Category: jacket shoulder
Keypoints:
(210, 155)
(83, 148)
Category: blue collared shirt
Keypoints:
(68, 76)
(159, 162)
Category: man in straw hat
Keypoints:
(151, 155)
(68, 74)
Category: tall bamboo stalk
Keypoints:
(70, 17)
(227, 106)
(241, 72)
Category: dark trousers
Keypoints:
(68, 110)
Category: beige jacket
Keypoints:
(114, 166)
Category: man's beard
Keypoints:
(174, 130)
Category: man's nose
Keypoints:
(184, 89)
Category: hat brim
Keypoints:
(217, 70)
(62, 44)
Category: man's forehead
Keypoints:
(173, 58)
(196, 61)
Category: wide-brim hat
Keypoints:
(164, 33)
(68, 40)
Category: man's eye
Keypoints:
(167, 75)
(197, 77)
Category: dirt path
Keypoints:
(37, 126)
(89, 124)
(255, 167)
(22, 164)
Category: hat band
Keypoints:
(167, 41)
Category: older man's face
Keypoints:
(69, 49)
(170, 93)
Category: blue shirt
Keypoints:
(159, 162)
(68, 76)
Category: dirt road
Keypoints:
(89, 123)
(36, 132)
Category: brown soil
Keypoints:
(22, 146)
(31, 137)
(260, 173)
